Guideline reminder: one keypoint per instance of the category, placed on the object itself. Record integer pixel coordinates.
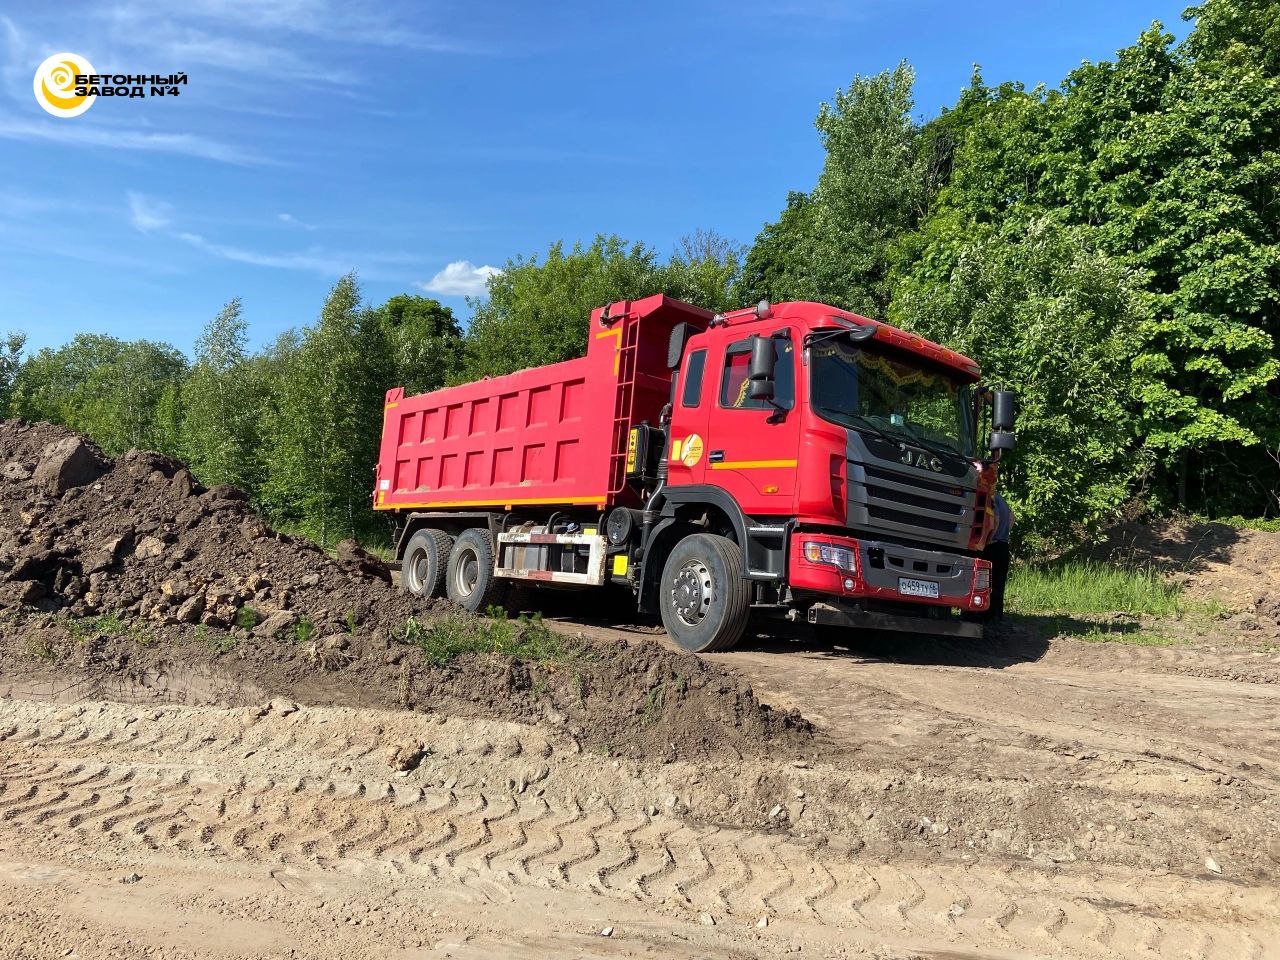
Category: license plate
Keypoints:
(917, 588)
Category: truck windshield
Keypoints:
(862, 387)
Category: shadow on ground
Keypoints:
(1167, 546)
(1006, 644)
(1003, 646)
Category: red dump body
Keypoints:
(553, 435)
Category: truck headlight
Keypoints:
(842, 558)
(982, 579)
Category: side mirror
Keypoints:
(760, 373)
(1001, 440)
(1002, 410)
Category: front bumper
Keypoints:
(837, 614)
(871, 570)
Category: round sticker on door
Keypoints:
(691, 450)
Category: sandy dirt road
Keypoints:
(1024, 799)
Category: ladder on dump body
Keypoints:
(623, 401)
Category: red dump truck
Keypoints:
(793, 459)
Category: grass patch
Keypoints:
(524, 639)
(1251, 523)
(39, 647)
(653, 704)
(110, 625)
(83, 629)
(1090, 589)
(1137, 638)
(304, 631)
(247, 618)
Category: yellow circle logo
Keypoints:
(691, 450)
(55, 85)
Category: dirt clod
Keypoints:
(406, 755)
(69, 461)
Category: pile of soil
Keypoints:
(129, 567)
(1238, 568)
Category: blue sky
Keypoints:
(421, 143)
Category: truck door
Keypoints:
(688, 460)
(752, 444)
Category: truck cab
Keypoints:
(850, 448)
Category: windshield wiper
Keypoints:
(909, 435)
(862, 421)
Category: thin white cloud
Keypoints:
(314, 262)
(461, 278)
(351, 21)
(148, 213)
(346, 21)
(171, 43)
(293, 221)
(115, 138)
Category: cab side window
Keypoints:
(735, 386)
(692, 394)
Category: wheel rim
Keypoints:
(417, 571)
(691, 592)
(466, 573)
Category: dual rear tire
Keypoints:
(435, 564)
(422, 568)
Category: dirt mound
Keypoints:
(129, 568)
(86, 535)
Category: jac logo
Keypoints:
(918, 458)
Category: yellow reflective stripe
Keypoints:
(617, 347)
(494, 503)
(751, 464)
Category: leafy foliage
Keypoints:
(538, 312)
(1146, 356)
(835, 245)
(1165, 162)
(325, 431)
(222, 416)
(1055, 321)
(123, 394)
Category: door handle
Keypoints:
(716, 456)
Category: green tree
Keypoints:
(836, 245)
(704, 270)
(1167, 157)
(122, 393)
(539, 312)
(11, 347)
(327, 422)
(222, 412)
(1056, 321)
(423, 343)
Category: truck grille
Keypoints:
(908, 502)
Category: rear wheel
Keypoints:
(425, 558)
(470, 579)
(705, 599)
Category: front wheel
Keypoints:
(705, 596)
